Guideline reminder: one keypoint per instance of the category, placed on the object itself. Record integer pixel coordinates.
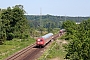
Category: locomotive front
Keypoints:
(41, 41)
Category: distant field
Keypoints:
(13, 46)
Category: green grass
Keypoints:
(56, 52)
(10, 47)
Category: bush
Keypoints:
(10, 36)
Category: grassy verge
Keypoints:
(56, 51)
(13, 46)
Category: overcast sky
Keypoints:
(52, 7)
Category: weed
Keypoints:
(12, 46)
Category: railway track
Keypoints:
(20, 53)
(33, 55)
(30, 53)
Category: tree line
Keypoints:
(48, 21)
(56, 18)
(13, 23)
(79, 37)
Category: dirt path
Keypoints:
(60, 42)
(55, 58)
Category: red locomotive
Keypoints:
(43, 40)
(62, 31)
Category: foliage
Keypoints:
(56, 18)
(14, 22)
(54, 21)
(79, 46)
(70, 27)
(12, 46)
(2, 33)
(54, 51)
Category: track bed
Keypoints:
(31, 52)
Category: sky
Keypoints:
(51, 7)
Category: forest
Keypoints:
(56, 18)
(79, 37)
(53, 21)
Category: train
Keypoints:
(62, 31)
(43, 40)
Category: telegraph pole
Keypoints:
(41, 21)
(40, 17)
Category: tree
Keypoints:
(2, 33)
(71, 29)
(15, 22)
(2, 29)
(79, 46)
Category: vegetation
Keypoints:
(79, 37)
(13, 23)
(71, 28)
(50, 21)
(56, 18)
(56, 50)
(14, 31)
(12, 46)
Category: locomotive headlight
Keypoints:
(38, 39)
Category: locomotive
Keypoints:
(62, 31)
(43, 40)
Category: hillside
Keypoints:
(56, 18)
(51, 21)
